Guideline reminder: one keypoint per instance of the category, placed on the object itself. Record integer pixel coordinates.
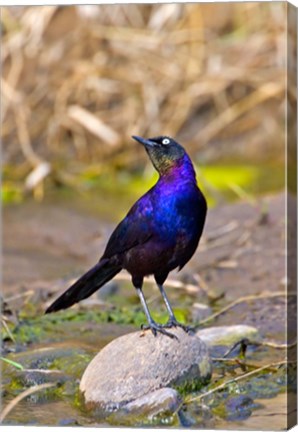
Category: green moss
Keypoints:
(11, 193)
(191, 386)
(53, 326)
(15, 385)
(220, 411)
(196, 384)
(72, 365)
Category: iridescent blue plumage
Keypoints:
(160, 232)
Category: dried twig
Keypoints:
(11, 336)
(237, 379)
(23, 395)
(222, 230)
(245, 299)
(276, 345)
(239, 362)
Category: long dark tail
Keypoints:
(91, 281)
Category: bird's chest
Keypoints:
(177, 215)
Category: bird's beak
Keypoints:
(145, 142)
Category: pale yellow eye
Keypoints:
(166, 141)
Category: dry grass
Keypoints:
(77, 82)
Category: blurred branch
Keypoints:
(21, 118)
(93, 124)
(267, 91)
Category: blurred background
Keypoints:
(78, 81)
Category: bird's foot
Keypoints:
(158, 328)
(174, 323)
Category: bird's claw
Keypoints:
(174, 323)
(158, 328)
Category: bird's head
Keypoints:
(163, 151)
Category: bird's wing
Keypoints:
(135, 229)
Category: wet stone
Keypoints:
(137, 364)
(227, 335)
(36, 377)
(162, 401)
(239, 407)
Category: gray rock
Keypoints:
(137, 364)
(227, 335)
(162, 401)
(239, 407)
(31, 377)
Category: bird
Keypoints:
(160, 233)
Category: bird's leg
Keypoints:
(172, 322)
(151, 323)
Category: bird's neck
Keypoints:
(179, 170)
